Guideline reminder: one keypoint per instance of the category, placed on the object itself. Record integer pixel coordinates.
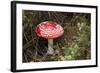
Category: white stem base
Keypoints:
(50, 47)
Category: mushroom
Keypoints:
(49, 30)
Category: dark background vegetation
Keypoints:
(74, 44)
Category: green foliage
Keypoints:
(78, 48)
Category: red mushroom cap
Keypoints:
(49, 30)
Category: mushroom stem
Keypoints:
(50, 47)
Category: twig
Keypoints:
(28, 44)
(25, 37)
